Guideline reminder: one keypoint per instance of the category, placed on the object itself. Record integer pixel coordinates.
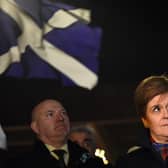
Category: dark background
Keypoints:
(134, 46)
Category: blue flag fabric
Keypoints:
(45, 39)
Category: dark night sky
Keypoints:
(135, 40)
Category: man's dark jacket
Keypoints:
(142, 156)
(40, 157)
(3, 157)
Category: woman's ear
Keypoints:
(34, 127)
(145, 122)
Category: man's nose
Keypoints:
(59, 116)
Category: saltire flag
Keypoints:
(46, 39)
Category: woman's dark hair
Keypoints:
(148, 89)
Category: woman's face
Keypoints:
(156, 118)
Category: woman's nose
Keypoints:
(166, 111)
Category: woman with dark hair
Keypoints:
(151, 102)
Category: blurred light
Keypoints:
(101, 153)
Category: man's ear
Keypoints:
(34, 127)
(145, 122)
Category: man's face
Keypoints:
(50, 121)
(156, 118)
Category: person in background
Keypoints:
(151, 102)
(51, 125)
(86, 138)
(3, 147)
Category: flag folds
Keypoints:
(45, 39)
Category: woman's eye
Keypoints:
(156, 109)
